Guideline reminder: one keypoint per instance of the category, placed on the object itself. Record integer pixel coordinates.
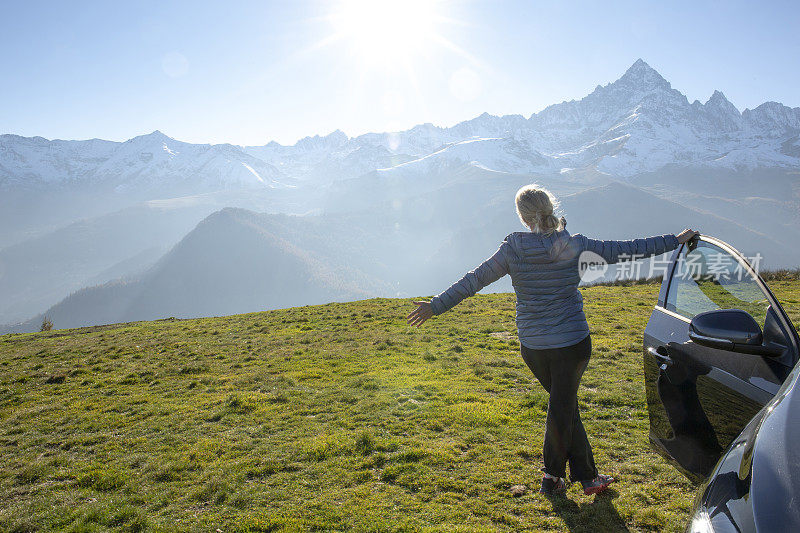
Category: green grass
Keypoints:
(333, 417)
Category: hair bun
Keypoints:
(549, 223)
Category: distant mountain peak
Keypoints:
(720, 104)
(331, 140)
(156, 135)
(717, 98)
(338, 135)
(642, 75)
(640, 65)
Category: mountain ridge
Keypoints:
(233, 259)
(638, 123)
(236, 260)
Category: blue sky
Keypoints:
(251, 72)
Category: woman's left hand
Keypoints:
(687, 235)
(419, 315)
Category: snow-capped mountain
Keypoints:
(635, 125)
(323, 159)
(153, 162)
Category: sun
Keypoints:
(384, 32)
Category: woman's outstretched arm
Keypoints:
(616, 251)
(486, 273)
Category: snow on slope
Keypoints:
(157, 156)
(634, 125)
(509, 155)
(35, 158)
(146, 162)
(328, 158)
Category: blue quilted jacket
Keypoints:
(545, 273)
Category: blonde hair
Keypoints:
(535, 207)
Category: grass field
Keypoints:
(332, 417)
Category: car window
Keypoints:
(709, 278)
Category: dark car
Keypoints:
(720, 367)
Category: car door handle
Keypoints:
(660, 355)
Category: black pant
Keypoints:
(559, 370)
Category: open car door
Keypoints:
(708, 371)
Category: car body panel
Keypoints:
(775, 467)
(753, 486)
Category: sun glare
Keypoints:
(386, 31)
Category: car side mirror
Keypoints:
(729, 329)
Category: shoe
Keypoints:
(597, 485)
(552, 486)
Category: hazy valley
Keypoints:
(97, 232)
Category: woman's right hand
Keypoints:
(419, 315)
(687, 235)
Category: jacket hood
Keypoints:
(538, 248)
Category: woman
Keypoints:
(553, 333)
